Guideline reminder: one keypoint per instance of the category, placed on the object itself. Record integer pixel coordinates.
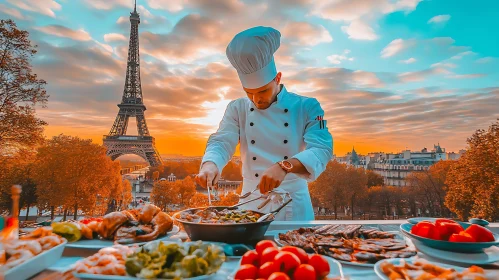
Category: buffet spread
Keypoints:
(139, 244)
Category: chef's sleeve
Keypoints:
(222, 144)
(319, 142)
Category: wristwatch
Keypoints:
(285, 165)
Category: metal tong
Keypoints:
(248, 193)
(272, 213)
(235, 205)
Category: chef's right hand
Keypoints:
(208, 175)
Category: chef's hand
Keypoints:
(208, 175)
(271, 178)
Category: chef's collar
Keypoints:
(281, 96)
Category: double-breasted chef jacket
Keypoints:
(292, 127)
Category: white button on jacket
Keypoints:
(292, 127)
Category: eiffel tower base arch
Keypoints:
(142, 146)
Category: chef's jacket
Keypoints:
(292, 127)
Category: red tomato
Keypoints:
(304, 272)
(285, 261)
(246, 271)
(262, 245)
(446, 228)
(440, 220)
(461, 237)
(480, 234)
(250, 257)
(268, 255)
(278, 276)
(320, 265)
(299, 252)
(427, 230)
(266, 269)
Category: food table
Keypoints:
(71, 255)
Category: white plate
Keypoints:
(334, 266)
(36, 264)
(222, 273)
(99, 244)
(489, 255)
(381, 275)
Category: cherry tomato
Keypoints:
(446, 228)
(299, 252)
(480, 234)
(268, 255)
(250, 257)
(246, 271)
(278, 276)
(304, 272)
(267, 269)
(461, 237)
(262, 245)
(320, 265)
(427, 230)
(285, 261)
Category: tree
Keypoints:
(20, 91)
(198, 200)
(232, 172)
(76, 174)
(18, 170)
(228, 200)
(329, 188)
(429, 187)
(155, 176)
(355, 186)
(126, 198)
(473, 181)
(186, 189)
(374, 179)
(164, 194)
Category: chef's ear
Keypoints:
(277, 78)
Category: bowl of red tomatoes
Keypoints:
(270, 262)
(449, 235)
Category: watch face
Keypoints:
(287, 164)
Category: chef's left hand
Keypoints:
(271, 178)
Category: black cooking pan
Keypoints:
(238, 233)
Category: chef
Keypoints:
(284, 139)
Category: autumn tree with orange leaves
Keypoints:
(76, 174)
(429, 187)
(20, 91)
(473, 182)
(165, 193)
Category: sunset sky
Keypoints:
(389, 74)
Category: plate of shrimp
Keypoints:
(34, 252)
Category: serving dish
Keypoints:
(465, 247)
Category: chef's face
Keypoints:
(262, 97)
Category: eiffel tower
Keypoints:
(117, 142)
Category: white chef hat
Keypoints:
(251, 52)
